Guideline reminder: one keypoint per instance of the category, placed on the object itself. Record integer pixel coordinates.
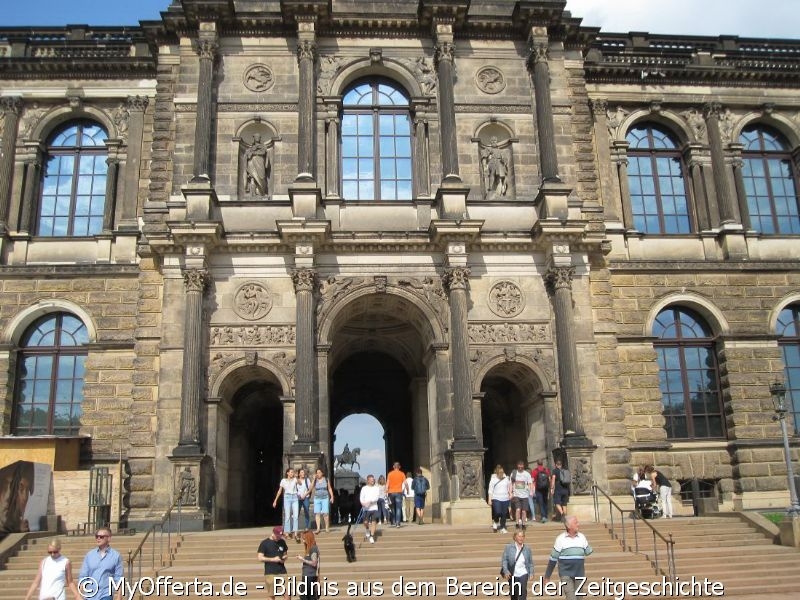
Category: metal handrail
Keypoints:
(133, 555)
(668, 543)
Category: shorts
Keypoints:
(519, 503)
(269, 583)
(322, 506)
(419, 501)
(561, 497)
(371, 516)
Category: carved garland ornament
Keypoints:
(252, 301)
(506, 299)
(490, 80)
(258, 78)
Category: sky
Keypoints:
(364, 432)
(746, 18)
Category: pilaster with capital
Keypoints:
(195, 282)
(456, 282)
(445, 71)
(538, 65)
(306, 106)
(111, 192)
(10, 106)
(33, 172)
(728, 207)
(612, 202)
(129, 175)
(207, 47)
(305, 414)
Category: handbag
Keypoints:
(514, 564)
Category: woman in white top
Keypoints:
(54, 576)
(499, 498)
(408, 498)
(304, 496)
(288, 487)
(383, 500)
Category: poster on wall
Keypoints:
(24, 491)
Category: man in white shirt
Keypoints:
(369, 502)
(521, 486)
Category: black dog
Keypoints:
(349, 545)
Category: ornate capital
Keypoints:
(10, 104)
(138, 103)
(304, 280)
(195, 280)
(456, 278)
(540, 53)
(444, 51)
(712, 109)
(207, 49)
(112, 160)
(558, 278)
(306, 50)
(599, 106)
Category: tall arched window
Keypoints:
(789, 330)
(770, 184)
(74, 182)
(51, 368)
(656, 181)
(376, 142)
(688, 375)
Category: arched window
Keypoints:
(789, 330)
(656, 181)
(376, 142)
(770, 185)
(688, 375)
(74, 182)
(49, 385)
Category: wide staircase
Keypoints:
(418, 561)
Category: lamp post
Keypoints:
(778, 392)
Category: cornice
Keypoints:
(62, 271)
(692, 266)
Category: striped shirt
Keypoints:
(568, 552)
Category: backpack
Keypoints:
(542, 479)
(420, 485)
(564, 476)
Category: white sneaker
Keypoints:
(371, 540)
(494, 526)
(366, 535)
(503, 531)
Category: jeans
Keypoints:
(383, 512)
(500, 511)
(541, 500)
(304, 504)
(519, 587)
(396, 502)
(290, 513)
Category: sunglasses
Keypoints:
(54, 551)
(100, 537)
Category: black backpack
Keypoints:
(542, 479)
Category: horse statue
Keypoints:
(347, 457)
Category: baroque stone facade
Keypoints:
(252, 258)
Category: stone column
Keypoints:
(136, 106)
(728, 209)
(33, 170)
(332, 127)
(738, 183)
(456, 281)
(695, 167)
(537, 63)
(207, 50)
(306, 104)
(195, 282)
(305, 427)
(559, 284)
(445, 71)
(111, 193)
(10, 107)
(625, 192)
(422, 167)
(609, 197)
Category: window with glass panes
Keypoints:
(50, 374)
(376, 142)
(688, 375)
(789, 330)
(73, 194)
(770, 183)
(656, 181)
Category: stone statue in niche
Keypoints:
(495, 163)
(256, 147)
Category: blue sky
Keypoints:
(365, 432)
(753, 18)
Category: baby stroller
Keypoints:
(646, 504)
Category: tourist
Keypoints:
(310, 571)
(521, 485)
(568, 552)
(100, 567)
(288, 487)
(323, 498)
(54, 575)
(517, 565)
(394, 487)
(408, 498)
(273, 552)
(499, 495)
(383, 499)
(420, 485)
(369, 497)
(663, 487)
(541, 486)
(560, 480)
(304, 497)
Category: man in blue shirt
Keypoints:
(101, 566)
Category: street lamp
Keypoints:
(778, 392)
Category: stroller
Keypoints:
(646, 504)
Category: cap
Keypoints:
(277, 530)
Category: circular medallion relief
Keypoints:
(258, 78)
(506, 299)
(252, 301)
(490, 80)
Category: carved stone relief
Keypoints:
(506, 299)
(256, 151)
(424, 72)
(258, 78)
(582, 477)
(490, 80)
(329, 66)
(496, 156)
(470, 479)
(186, 486)
(252, 301)
(253, 335)
(694, 118)
(30, 119)
(494, 333)
(288, 363)
(121, 117)
(614, 120)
